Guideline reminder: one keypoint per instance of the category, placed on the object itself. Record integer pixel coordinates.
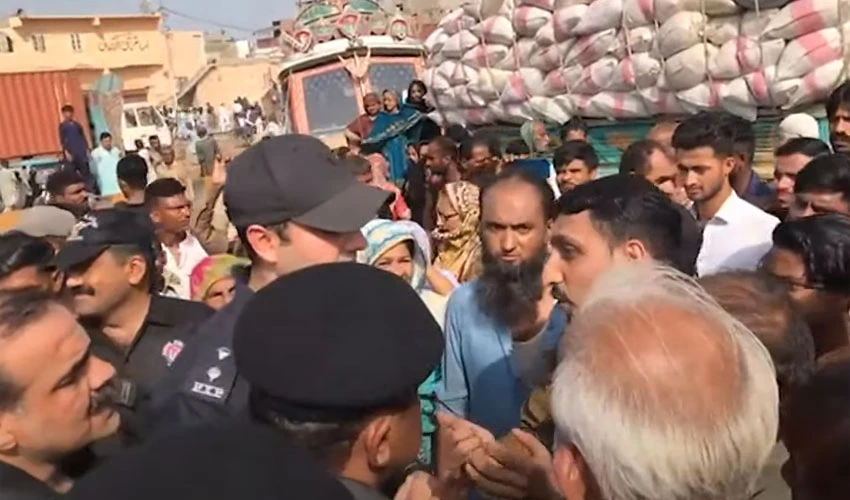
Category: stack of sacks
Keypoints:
(550, 59)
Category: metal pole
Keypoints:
(166, 35)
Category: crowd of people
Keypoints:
(430, 314)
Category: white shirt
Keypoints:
(191, 253)
(736, 238)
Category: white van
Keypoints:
(140, 121)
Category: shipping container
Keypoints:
(30, 112)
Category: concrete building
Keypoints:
(224, 81)
(151, 63)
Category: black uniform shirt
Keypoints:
(168, 325)
(16, 484)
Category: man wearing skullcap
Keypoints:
(374, 341)
(232, 462)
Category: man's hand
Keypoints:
(517, 467)
(458, 438)
(418, 486)
(219, 172)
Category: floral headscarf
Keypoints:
(381, 235)
(211, 270)
(459, 250)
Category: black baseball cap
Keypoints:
(297, 177)
(101, 229)
(369, 331)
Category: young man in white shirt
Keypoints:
(736, 234)
(170, 212)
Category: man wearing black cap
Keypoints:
(361, 414)
(294, 205)
(110, 269)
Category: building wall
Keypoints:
(226, 82)
(133, 47)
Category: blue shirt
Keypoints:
(479, 379)
(73, 140)
(105, 163)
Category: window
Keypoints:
(148, 117)
(6, 44)
(130, 118)
(75, 42)
(38, 43)
(391, 77)
(330, 102)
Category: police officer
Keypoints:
(50, 394)
(233, 462)
(109, 261)
(294, 204)
(334, 355)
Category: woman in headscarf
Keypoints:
(361, 126)
(212, 280)
(393, 129)
(416, 92)
(456, 234)
(401, 248)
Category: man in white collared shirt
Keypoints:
(170, 212)
(736, 234)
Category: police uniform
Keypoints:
(237, 461)
(168, 323)
(287, 178)
(362, 342)
(16, 484)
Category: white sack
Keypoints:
(485, 56)
(479, 116)
(466, 98)
(737, 99)
(546, 35)
(588, 49)
(542, 4)
(490, 83)
(805, 16)
(661, 102)
(644, 12)
(549, 109)
(758, 83)
(496, 29)
(638, 71)
(565, 20)
(680, 32)
(688, 68)
(456, 21)
(549, 58)
(459, 43)
(435, 40)
(744, 55)
(518, 55)
(483, 10)
(555, 84)
(527, 20)
(523, 84)
(802, 55)
(636, 40)
(620, 105)
(600, 16)
(813, 87)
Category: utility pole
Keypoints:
(166, 33)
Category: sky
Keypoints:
(241, 14)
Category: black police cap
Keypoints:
(234, 461)
(335, 342)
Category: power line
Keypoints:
(205, 21)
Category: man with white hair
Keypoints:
(660, 393)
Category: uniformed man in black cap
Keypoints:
(294, 204)
(333, 355)
(109, 261)
(234, 462)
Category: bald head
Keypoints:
(661, 392)
(662, 133)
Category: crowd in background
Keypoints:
(430, 313)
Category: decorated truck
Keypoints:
(338, 51)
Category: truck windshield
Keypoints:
(329, 100)
(391, 76)
(130, 118)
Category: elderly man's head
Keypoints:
(660, 393)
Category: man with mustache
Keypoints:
(109, 263)
(838, 115)
(487, 370)
(50, 392)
